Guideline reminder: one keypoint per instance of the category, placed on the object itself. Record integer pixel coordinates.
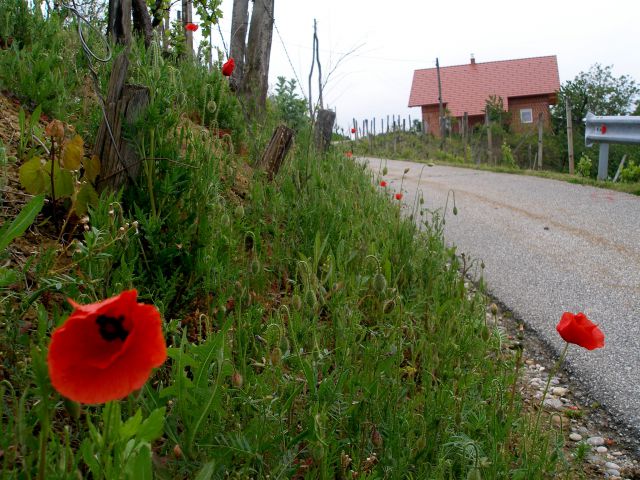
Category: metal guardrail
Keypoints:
(605, 130)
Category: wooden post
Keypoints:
(440, 106)
(323, 128)
(123, 104)
(387, 123)
(487, 124)
(276, 151)
(465, 127)
(569, 136)
(540, 127)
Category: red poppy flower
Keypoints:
(106, 350)
(398, 196)
(192, 27)
(228, 67)
(580, 330)
(349, 154)
(353, 130)
(383, 183)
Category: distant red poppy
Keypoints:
(349, 154)
(228, 67)
(106, 350)
(353, 130)
(383, 183)
(578, 329)
(398, 196)
(192, 27)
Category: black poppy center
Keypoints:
(111, 328)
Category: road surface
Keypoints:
(550, 247)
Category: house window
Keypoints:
(526, 115)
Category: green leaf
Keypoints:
(62, 180)
(85, 197)
(206, 472)
(91, 168)
(34, 177)
(72, 153)
(20, 224)
(131, 426)
(8, 277)
(139, 466)
(152, 428)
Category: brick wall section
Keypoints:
(537, 105)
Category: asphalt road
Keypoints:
(550, 247)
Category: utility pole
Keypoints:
(440, 107)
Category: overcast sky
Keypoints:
(394, 38)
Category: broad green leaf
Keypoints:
(139, 466)
(20, 224)
(152, 428)
(131, 426)
(72, 153)
(84, 197)
(8, 277)
(34, 177)
(91, 168)
(206, 472)
(62, 180)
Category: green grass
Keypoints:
(417, 148)
(313, 332)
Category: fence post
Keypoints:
(540, 121)
(569, 135)
(487, 124)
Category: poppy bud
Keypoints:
(239, 211)
(72, 408)
(455, 210)
(379, 283)
(310, 299)
(55, 129)
(255, 266)
(494, 309)
(474, 474)
(225, 219)
(296, 301)
(385, 171)
(276, 356)
(177, 451)
(421, 200)
(376, 438)
(237, 380)
(406, 170)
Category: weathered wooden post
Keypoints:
(569, 135)
(276, 151)
(540, 128)
(123, 105)
(323, 128)
(487, 123)
(465, 132)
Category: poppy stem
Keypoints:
(555, 369)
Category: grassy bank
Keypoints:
(312, 332)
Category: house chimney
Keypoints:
(473, 59)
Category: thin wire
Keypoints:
(91, 56)
(285, 48)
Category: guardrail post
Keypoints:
(603, 162)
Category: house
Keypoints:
(527, 87)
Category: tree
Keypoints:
(238, 47)
(596, 91)
(256, 74)
(291, 107)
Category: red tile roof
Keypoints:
(465, 88)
